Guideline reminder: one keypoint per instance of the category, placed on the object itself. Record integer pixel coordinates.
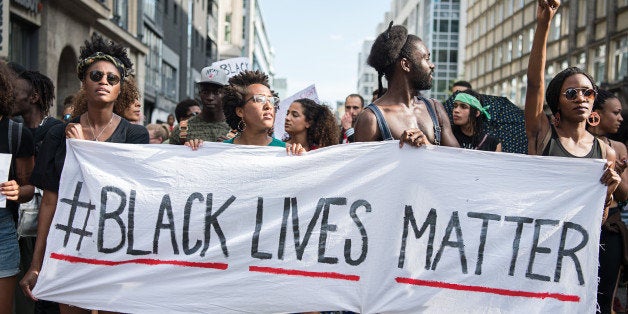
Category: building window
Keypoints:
(599, 64)
(509, 51)
(582, 13)
(169, 77)
(519, 45)
(228, 28)
(530, 39)
(153, 60)
(555, 28)
(621, 58)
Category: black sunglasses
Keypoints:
(97, 75)
(572, 93)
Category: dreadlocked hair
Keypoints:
(6, 89)
(390, 46)
(43, 86)
(323, 130)
(98, 44)
(235, 92)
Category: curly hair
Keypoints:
(43, 86)
(235, 92)
(601, 98)
(110, 48)
(390, 46)
(552, 95)
(128, 94)
(6, 89)
(323, 130)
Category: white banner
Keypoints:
(280, 116)
(365, 227)
(233, 66)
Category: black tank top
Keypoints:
(555, 148)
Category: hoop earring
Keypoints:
(594, 119)
(556, 119)
(241, 125)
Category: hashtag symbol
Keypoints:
(74, 205)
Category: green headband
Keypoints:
(473, 102)
(99, 56)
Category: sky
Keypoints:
(318, 41)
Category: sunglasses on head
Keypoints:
(572, 93)
(97, 75)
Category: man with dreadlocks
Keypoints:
(402, 113)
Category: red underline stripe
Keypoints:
(294, 272)
(143, 261)
(513, 293)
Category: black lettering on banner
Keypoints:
(538, 249)
(299, 246)
(365, 240)
(130, 230)
(562, 252)
(288, 203)
(165, 209)
(485, 218)
(326, 227)
(258, 228)
(430, 221)
(454, 224)
(517, 240)
(114, 215)
(75, 203)
(212, 220)
(187, 212)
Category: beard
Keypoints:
(422, 80)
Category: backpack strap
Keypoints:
(15, 141)
(432, 111)
(381, 122)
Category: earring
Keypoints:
(593, 119)
(556, 119)
(241, 125)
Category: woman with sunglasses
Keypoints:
(468, 118)
(102, 69)
(605, 120)
(311, 125)
(250, 106)
(570, 96)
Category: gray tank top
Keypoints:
(555, 148)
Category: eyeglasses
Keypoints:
(97, 75)
(262, 99)
(572, 93)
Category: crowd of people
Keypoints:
(241, 110)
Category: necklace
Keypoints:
(101, 131)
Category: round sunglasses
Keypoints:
(97, 75)
(572, 93)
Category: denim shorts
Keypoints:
(9, 247)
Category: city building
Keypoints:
(243, 34)
(47, 36)
(367, 76)
(592, 35)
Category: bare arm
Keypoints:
(366, 129)
(447, 135)
(46, 213)
(24, 169)
(535, 120)
(621, 193)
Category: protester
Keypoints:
(128, 104)
(376, 93)
(16, 190)
(311, 125)
(68, 108)
(605, 120)
(102, 68)
(468, 118)
(570, 96)
(402, 113)
(186, 109)
(157, 133)
(250, 107)
(34, 98)
(460, 86)
(354, 104)
(170, 122)
(210, 124)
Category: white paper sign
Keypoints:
(364, 227)
(233, 66)
(280, 117)
(5, 165)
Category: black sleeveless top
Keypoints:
(555, 148)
